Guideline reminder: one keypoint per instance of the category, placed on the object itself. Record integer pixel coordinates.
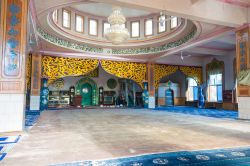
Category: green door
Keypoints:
(86, 92)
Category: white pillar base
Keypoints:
(34, 103)
(244, 107)
(151, 102)
(12, 108)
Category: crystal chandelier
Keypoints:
(117, 33)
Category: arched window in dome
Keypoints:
(148, 27)
(192, 90)
(106, 25)
(162, 26)
(135, 29)
(173, 22)
(93, 26)
(79, 23)
(66, 18)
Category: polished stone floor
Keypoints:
(64, 136)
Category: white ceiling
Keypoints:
(101, 9)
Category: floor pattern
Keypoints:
(215, 113)
(218, 157)
(6, 144)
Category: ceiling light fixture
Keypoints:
(117, 33)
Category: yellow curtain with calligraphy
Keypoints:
(129, 70)
(193, 72)
(162, 71)
(58, 67)
(28, 72)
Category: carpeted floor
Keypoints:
(31, 118)
(6, 144)
(215, 113)
(218, 157)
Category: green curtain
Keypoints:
(243, 77)
(215, 67)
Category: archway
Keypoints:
(87, 88)
(169, 97)
(175, 82)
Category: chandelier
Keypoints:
(117, 33)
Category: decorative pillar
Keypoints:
(126, 91)
(44, 100)
(35, 83)
(243, 71)
(145, 94)
(134, 93)
(13, 24)
(151, 85)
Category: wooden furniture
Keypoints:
(228, 96)
(109, 98)
(213, 105)
(77, 101)
(180, 101)
(228, 100)
(58, 98)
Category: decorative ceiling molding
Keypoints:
(240, 3)
(108, 51)
(100, 41)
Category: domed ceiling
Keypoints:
(104, 10)
(56, 38)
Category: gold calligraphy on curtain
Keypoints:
(58, 67)
(162, 71)
(193, 72)
(129, 70)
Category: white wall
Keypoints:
(12, 108)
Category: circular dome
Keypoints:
(74, 27)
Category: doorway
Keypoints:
(86, 93)
(169, 96)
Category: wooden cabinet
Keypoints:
(109, 98)
(77, 101)
(58, 98)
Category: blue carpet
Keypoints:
(3, 138)
(218, 157)
(2, 155)
(9, 140)
(215, 113)
(6, 143)
(31, 118)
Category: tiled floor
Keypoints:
(65, 136)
